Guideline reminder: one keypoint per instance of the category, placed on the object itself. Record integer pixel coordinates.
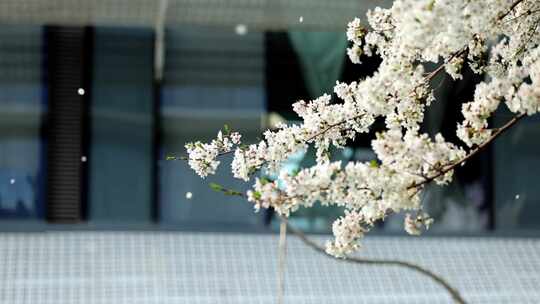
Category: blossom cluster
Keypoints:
(414, 225)
(417, 155)
(202, 156)
(498, 38)
(518, 86)
(348, 230)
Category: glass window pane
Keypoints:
(212, 77)
(21, 108)
(517, 168)
(120, 160)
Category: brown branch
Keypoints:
(171, 157)
(448, 168)
(441, 67)
(454, 293)
(526, 14)
(509, 10)
(330, 127)
(531, 33)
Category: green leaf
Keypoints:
(226, 129)
(430, 5)
(373, 163)
(215, 187)
(233, 192)
(264, 180)
(252, 170)
(257, 195)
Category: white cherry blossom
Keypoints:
(499, 38)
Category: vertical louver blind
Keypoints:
(67, 59)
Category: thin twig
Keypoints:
(330, 127)
(526, 14)
(285, 226)
(454, 293)
(531, 33)
(442, 66)
(509, 10)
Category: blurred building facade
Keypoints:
(86, 121)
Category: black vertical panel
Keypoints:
(283, 75)
(67, 51)
(86, 117)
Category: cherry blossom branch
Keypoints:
(398, 92)
(428, 77)
(312, 137)
(426, 80)
(282, 198)
(454, 293)
(498, 131)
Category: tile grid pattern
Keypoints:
(167, 267)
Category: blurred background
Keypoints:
(95, 94)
